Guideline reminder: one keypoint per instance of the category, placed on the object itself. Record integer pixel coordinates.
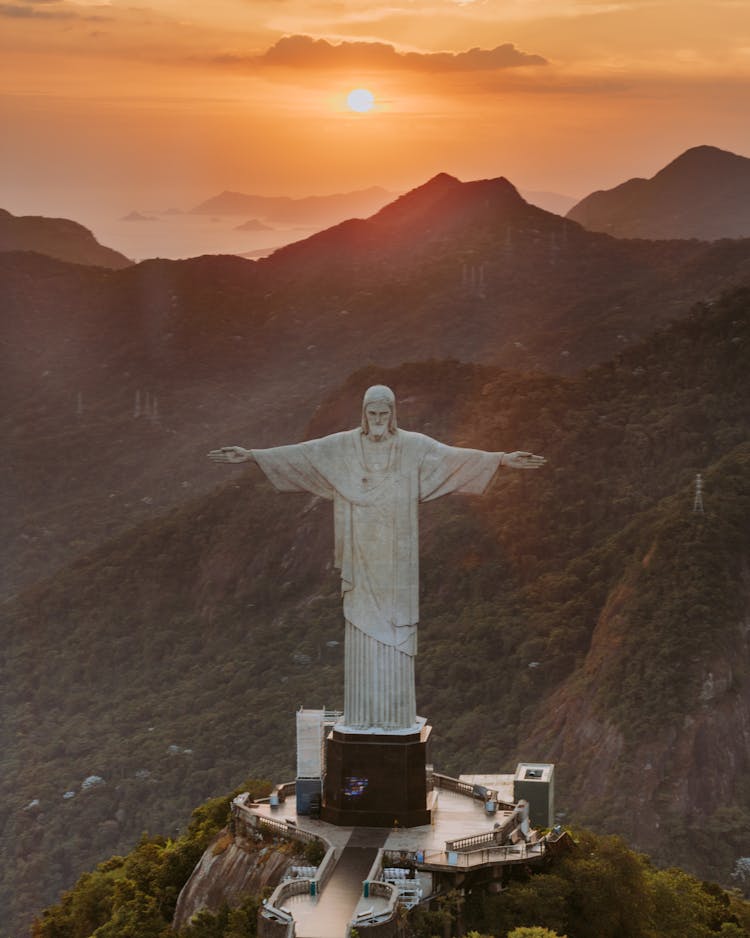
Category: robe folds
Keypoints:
(377, 549)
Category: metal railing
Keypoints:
(478, 792)
(452, 784)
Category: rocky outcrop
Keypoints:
(231, 869)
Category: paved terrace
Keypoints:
(455, 816)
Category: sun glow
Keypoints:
(360, 100)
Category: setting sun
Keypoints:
(360, 100)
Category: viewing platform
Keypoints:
(386, 867)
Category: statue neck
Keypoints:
(377, 453)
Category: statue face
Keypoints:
(378, 416)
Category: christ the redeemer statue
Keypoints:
(376, 475)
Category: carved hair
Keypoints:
(380, 394)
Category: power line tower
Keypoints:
(698, 500)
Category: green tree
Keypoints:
(535, 931)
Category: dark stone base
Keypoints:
(376, 781)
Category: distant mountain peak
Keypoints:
(497, 185)
(704, 150)
(443, 209)
(442, 180)
(703, 193)
(443, 195)
(702, 158)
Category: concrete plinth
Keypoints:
(376, 780)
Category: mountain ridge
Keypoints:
(60, 238)
(467, 271)
(703, 193)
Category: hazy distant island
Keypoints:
(138, 216)
(315, 209)
(253, 224)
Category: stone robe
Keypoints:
(377, 551)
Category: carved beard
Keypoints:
(377, 433)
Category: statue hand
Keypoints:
(233, 454)
(521, 460)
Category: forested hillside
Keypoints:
(582, 614)
(124, 379)
(599, 889)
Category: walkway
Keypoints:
(329, 916)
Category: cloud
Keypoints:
(306, 52)
(28, 12)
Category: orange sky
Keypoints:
(166, 102)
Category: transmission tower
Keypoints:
(698, 500)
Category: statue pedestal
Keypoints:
(376, 780)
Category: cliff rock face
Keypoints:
(230, 869)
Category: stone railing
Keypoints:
(272, 916)
(473, 842)
(285, 790)
(284, 829)
(326, 867)
(382, 924)
(482, 856)
(375, 873)
(241, 812)
(509, 853)
(274, 921)
(270, 928)
(274, 910)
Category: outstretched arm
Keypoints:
(521, 460)
(233, 454)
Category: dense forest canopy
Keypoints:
(600, 889)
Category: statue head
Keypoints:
(376, 423)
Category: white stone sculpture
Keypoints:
(376, 475)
